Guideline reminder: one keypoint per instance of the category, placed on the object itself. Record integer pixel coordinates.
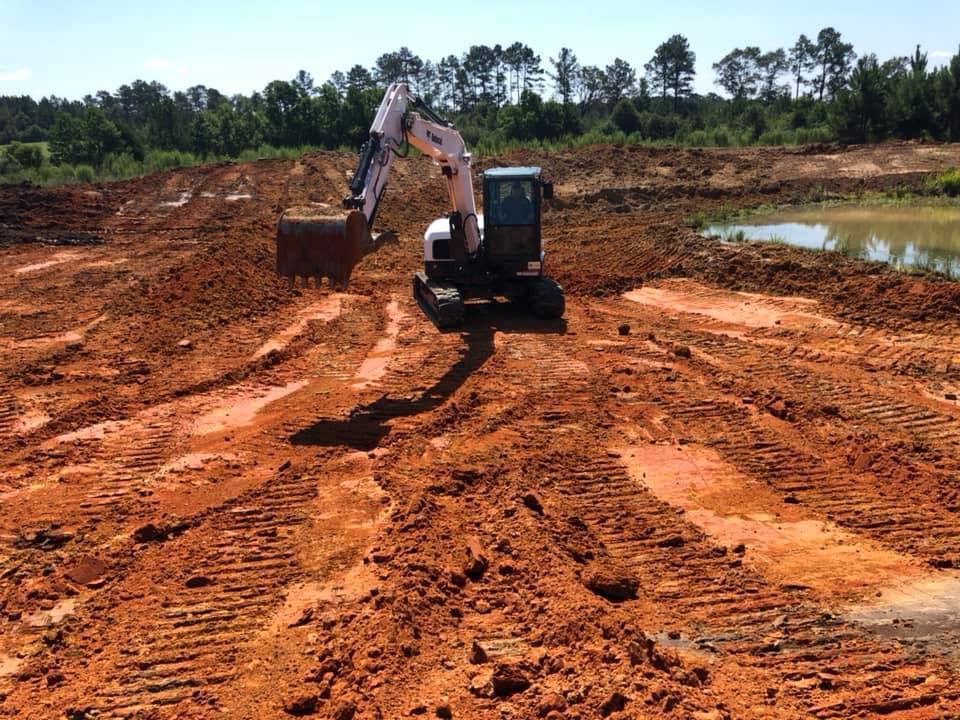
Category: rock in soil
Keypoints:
(87, 570)
(612, 583)
(302, 705)
(533, 503)
(477, 654)
(477, 562)
(551, 702)
(614, 703)
(510, 678)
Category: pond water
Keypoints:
(927, 237)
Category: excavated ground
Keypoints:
(725, 487)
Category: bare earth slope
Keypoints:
(726, 486)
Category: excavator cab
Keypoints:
(512, 199)
(510, 260)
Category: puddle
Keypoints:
(918, 611)
(737, 308)
(241, 410)
(374, 366)
(925, 237)
(324, 311)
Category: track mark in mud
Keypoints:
(749, 310)
(781, 459)
(241, 409)
(887, 592)
(793, 326)
(57, 259)
(259, 562)
(8, 410)
(808, 468)
(724, 607)
(134, 458)
(788, 544)
(322, 311)
(116, 467)
(249, 557)
(431, 368)
(549, 369)
(374, 366)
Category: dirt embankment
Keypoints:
(723, 487)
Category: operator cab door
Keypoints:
(511, 214)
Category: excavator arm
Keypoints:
(315, 242)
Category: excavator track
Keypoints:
(441, 301)
(546, 298)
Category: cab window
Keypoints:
(511, 202)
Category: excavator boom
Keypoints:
(320, 241)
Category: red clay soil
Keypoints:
(725, 486)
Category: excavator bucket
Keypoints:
(318, 242)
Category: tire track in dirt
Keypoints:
(854, 499)
(724, 609)
(802, 466)
(248, 557)
(8, 410)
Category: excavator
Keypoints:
(467, 255)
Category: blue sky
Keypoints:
(73, 48)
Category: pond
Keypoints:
(925, 237)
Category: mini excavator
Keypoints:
(466, 255)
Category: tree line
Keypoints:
(817, 89)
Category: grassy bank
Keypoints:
(123, 166)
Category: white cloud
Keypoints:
(15, 75)
(158, 63)
(941, 54)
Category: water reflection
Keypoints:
(925, 237)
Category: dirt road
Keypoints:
(724, 487)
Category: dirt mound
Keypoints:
(223, 498)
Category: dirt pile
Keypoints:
(717, 490)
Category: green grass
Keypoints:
(44, 147)
(123, 166)
(946, 183)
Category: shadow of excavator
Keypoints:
(366, 425)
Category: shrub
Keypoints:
(27, 156)
(946, 183)
(85, 173)
(626, 117)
